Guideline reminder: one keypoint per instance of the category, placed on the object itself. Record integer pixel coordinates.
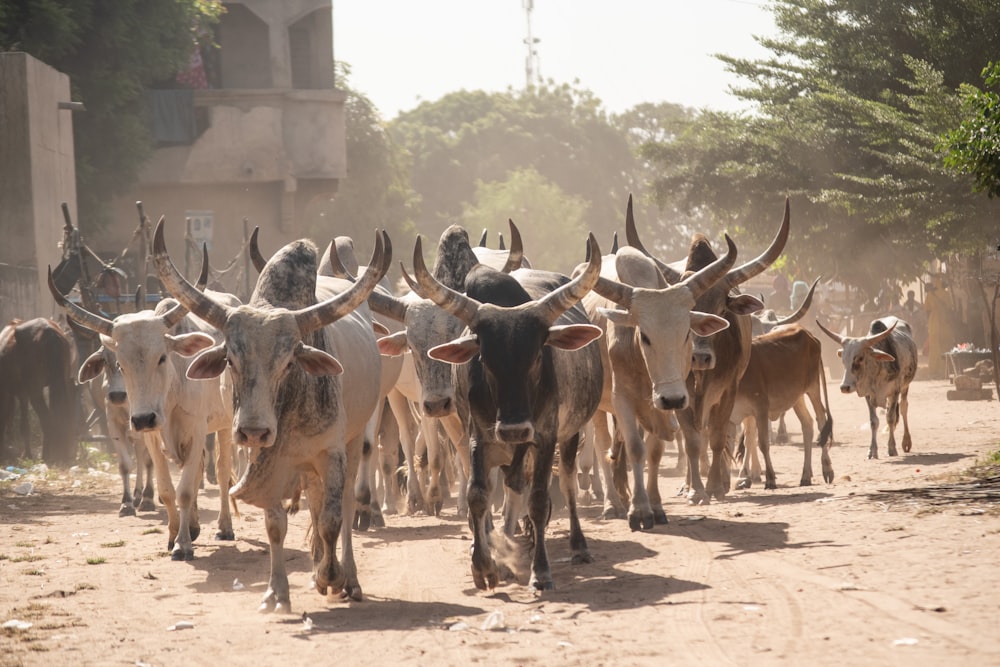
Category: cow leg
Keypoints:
(904, 406)
(435, 498)
(363, 512)
(892, 418)
(126, 463)
(351, 585)
(37, 399)
(764, 444)
(585, 472)
(211, 474)
(782, 437)
(567, 468)
(329, 498)
(187, 497)
(696, 494)
(277, 597)
(718, 472)
(388, 459)
(168, 495)
(873, 422)
(401, 408)
(539, 509)
(459, 436)
(485, 573)
(654, 453)
(747, 477)
(614, 508)
(640, 514)
(514, 482)
(224, 470)
(802, 412)
(144, 461)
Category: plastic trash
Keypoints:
(16, 624)
(906, 641)
(238, 585)
(493, 621)
(181, 625)
(458, 627)
(307, 623)
(24, 489)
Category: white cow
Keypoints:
(305, 364)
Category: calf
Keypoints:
(784, 364)
(881, 374)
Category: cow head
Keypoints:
(105, 361)
(720, 298)
(264, 342)
(862, 360)
(509, 340)
(427, 325)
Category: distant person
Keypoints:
(940, 338)
(780, 296)
(799, 291)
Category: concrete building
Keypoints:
(37, 174)
(258, 133)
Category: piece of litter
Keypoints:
(848, 587)
(77, 484)
(494, 621)
(24, 489)
(905, 641)
(238, 585)
(80, 535)
(458, 627)
(564, 645)
(751, 607)
(534, 618)
(695, 517)
(15, 624)
(181, 625)
(307, 623)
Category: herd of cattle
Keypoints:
(319, 382)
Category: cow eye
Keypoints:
(644, 338)
(163, 359)
(118, 367)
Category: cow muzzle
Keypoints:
(661, 402)
(251, 436)
(145, 422)
(515, 434)
(702, 361)
(439, 407)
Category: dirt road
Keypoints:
(824, 575)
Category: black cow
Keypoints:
(526, 390)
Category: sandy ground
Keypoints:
(829, 574)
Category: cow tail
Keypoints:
(826, 433)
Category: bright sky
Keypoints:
(402, 52)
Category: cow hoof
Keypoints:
(362, 520)
(543, 584)
(582, 557)
(744, 483)
(195, 531)
(660, 517)
(147, 505)
(487, 580)
(127, 509)
(227, 535)
(698, 498)
(378, 521)
(179, 554)
(352, 592)
(437, 508)
(805, 481)
(636, 522)
(770, 486)
(872, 455)
(828, 477)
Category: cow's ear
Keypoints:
(622, 318)
(209, 364)
(92, 367)
(317, 362)
(573, 336)
(393, 345)
(458, 351)
(706, 324)
(379, 328)
(189, 344)
(882, 356)
(745, 304)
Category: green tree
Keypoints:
(560, 131)
(974, 146)
(112, 50)
(551, 221)
(848, 111)
(376, 193)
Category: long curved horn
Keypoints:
(837, 338)
(670, 274)
(482, 237)
(714, 272)
(615, 291)
(427, 286)
(516, 253)
(874, 339)
(255, 255)
(177, 313)
(83, 317)
(314, 317)
(802, 309)
(500, 243)
(554, 304)
(743, 273)
(337, 266)
(614, 244)
(198, 303)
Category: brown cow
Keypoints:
(784, 364)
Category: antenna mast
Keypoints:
(532, 73)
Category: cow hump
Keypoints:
(289, 278)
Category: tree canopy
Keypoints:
(974, 146)
(112, 50)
